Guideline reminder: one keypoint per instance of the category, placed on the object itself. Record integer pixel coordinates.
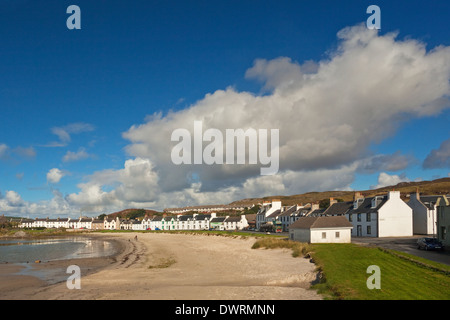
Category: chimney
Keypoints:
(415, 195)
(332, 201)
(393, 194)
(358, 195)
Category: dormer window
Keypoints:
(357, 203)
(376, 201)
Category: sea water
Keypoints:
(24, 251)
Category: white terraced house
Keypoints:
(235, 223)
(111, 224)
(381, 216)
(424, 213)
(267, 208)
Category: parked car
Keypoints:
(429, 244)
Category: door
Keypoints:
(358, 231)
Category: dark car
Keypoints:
(429, 244)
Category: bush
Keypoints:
(298, 248)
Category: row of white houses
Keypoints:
(380, 216)
(178, 222)
(67, 223)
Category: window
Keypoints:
(350, 217)
(369, 230)
(368, 217)
(337, 235)
(359, 217)
(324, 235)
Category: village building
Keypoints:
(321, 229)
(202, 221)
(381, 216)
(97, 224)
(156, 223)
(235, 223)
(443, 221)
(111, 223)
(267, 209)
(217, 223)
(424, 213)
(251, 220)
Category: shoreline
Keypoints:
(161, 266)
(20, 281)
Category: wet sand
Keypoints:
(161, 266)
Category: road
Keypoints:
(408, 245)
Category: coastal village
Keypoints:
(380, 216)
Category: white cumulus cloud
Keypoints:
(54, 175)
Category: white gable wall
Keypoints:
(317, 235)
(395, 217)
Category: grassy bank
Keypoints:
(344, 274)
(298, 249)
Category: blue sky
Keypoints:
(69, 99)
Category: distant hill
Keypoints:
(133, 213)
(434, 187)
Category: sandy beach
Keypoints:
(161, 266)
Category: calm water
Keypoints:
(26, 252)
(23, 251)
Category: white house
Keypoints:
(85, 223)
(381, 216)
(136, 225)
(202, 221)
(266, 210)
(424, 213)
(156, 223)
(321, 229)
(235, 223)
(168, 223)
(111, 224)
(146, 223)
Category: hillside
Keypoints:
(434, 187)
(133, 213)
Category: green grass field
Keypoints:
(344, 274)
(344, 267)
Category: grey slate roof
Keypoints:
(429, 201)
(316, 213)
(274, 214)
(321, 222)
(233, 219)
(202, 217)
(366, 205)
(289, 211)
(339, 208)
